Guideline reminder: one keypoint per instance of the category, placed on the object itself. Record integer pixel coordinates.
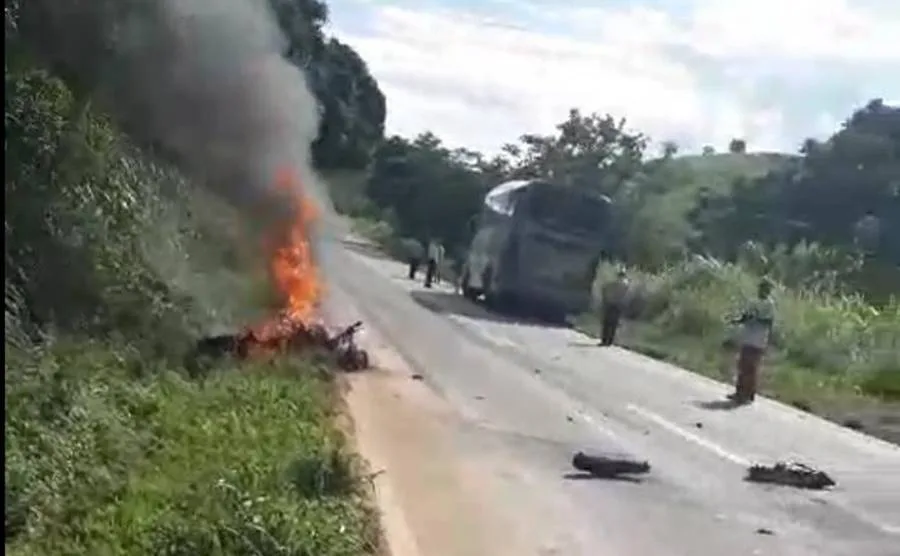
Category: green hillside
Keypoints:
(717, 173)
(729, 166)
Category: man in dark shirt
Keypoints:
(614, 294)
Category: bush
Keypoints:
(89, 240)
(379, 231)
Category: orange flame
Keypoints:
(292, 270)
(292, 267)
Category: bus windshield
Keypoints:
(568, 209)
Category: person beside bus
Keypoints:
(613, 304)
(414, 260)
(415, 252)
(435, 259)
(756, 322)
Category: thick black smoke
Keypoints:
(204, 82)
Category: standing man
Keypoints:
(756, 323)
(435, 258)
(415, 259)
(613, 294)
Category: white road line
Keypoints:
(888, 528)
(688, 435)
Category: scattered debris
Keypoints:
(570, 419)
(790, 474)
(287, 336)
(537, 371)
(698, 424)
(764, 531)
(609, 466)
(417, 376)
(479, 397)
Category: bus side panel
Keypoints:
(486, 246)
(478, 256)
(506, 259)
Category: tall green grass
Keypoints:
(107, 453)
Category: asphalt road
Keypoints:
(531, 395)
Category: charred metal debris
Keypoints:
(298, 338)
(792, 474)
(609, 466)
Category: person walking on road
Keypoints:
(613, 304)
(756, 322)
(435, 258)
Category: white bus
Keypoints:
(536, 247)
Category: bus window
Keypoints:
(569, 209)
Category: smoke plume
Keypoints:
(203, 81)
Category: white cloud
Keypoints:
(810, 30)
(700, 77)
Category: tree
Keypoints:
(834, 195)
(669, 149)
(867, 231)
(809, 146)
(353, 108)
(737, 146)
(708, 150)
(431, 190)
(587, 151)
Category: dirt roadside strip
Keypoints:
(431, 502)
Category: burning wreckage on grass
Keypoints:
(297, 327)
(293, 338)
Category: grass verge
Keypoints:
(109, 455)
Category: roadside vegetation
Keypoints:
(697, 232)
(834, 354)
(115, 264)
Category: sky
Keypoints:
(480, 73)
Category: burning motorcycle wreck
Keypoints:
(297, 327)
(299, 338)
